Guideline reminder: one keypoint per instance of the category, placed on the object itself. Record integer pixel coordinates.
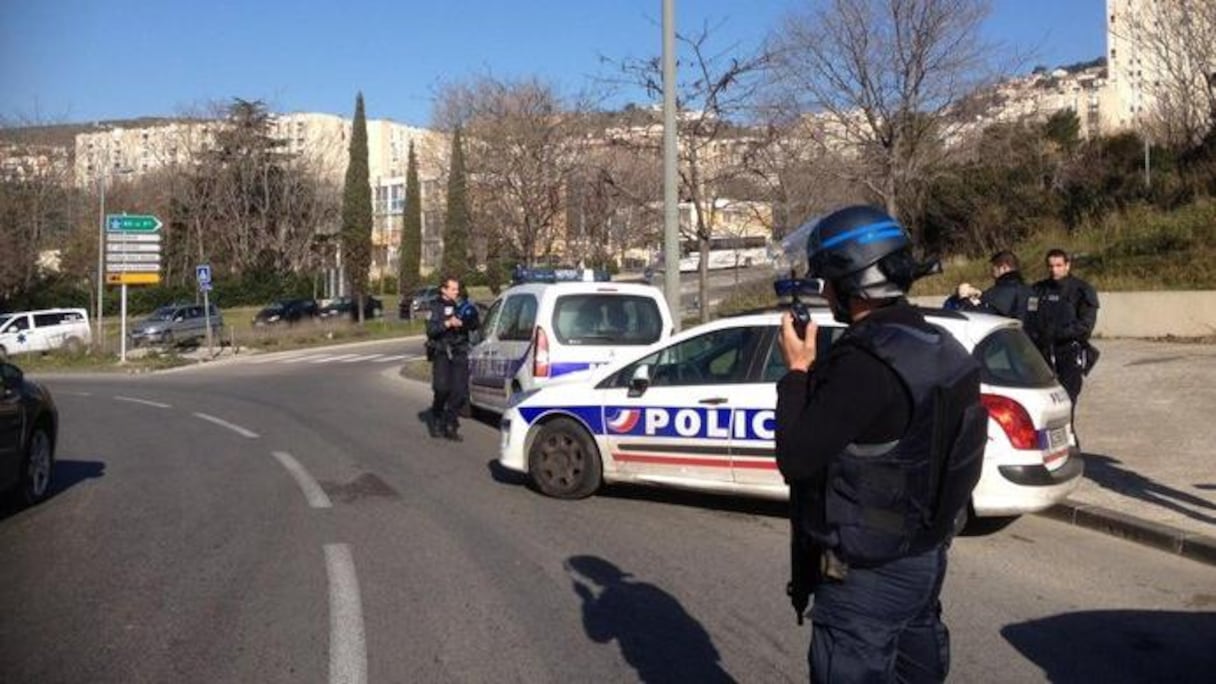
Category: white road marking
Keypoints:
(223, 423)
(145, 402)
(273, 358)
(347, 650)
(75, 394)
(312, 491)
(310, 357)
(396, 357)
(366, 357)
(339, 357)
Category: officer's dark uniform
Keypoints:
(450, 366)
(1008, 296)
(1060, 318)
(881, 444)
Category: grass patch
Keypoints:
(1140, 249)
(418, 369)
(64, 362)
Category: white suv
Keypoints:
(538, 331)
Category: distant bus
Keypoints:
(724, 252)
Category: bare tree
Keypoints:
(521, 149)
(882, 76)
(1175, 43)
(713, 99)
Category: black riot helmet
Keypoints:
(863, 252)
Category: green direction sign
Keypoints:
(132, 223)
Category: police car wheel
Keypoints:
(563, 461)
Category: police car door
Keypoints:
(754, 450)
(677, 425)
(485, 388)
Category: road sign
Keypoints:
(127, 257)
(132, 266)
(202, 272)
(132, 223)
(132, 278)
(129, 247)
(128, 238)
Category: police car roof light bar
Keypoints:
(558, 275)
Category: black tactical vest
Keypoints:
(887, 501)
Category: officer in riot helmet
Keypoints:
(880, 439)
(447, 331)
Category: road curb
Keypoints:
(1197, 547)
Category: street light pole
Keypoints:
(101, 255)
(671, 222)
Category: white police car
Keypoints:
(560, 321)
(697, 412)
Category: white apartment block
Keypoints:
(323, 140)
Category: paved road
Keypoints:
(188, 543)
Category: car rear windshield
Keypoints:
(614, 319)
(1008, 358)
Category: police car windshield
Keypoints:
(1008, 358)
(617, 319)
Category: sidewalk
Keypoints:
(1147, 424)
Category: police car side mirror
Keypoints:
(640, 381)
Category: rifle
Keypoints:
(805, 569)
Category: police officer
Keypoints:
(1061, 315)
(881, 441)
(447, 332)
(1009, 294)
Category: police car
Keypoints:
(697, 411)
(559, 321)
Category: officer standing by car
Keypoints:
(881, 443)
(1009, 294)
(447, 332)
(1061, 316)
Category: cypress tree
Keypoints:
(411, 229)
(456, 223)
(357, 210)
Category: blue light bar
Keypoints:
(558, 275)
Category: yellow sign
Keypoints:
(132, 278)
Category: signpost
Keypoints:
(132, 257)
(202, 273)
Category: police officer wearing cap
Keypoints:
(447, 332)
(881, 441)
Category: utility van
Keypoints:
(44, 330)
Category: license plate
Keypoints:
(1057, 437)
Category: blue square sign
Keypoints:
(203, 273)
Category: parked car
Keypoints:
(44, 330)
(417, 304)
(29, 425)
(346, 306)
(177, 324)
(696, 411)
(288, 311)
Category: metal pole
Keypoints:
(122, 327)
(1148, 180)
(207, 314)
(101, 255)
(671, 219)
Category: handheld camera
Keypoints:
(794, 289)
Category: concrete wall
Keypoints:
(1147, 314)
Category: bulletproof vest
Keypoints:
(1052, 307)
(886, 501)
(453, 340)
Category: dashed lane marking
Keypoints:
(347, 649)
(231, 426)
(145, 402)
(312, 491)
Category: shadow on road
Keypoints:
(1109, 473)
(66, 475)
(657, 637)
(1119, 646)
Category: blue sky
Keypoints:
(85, 60)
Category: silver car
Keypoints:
(176, 324)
